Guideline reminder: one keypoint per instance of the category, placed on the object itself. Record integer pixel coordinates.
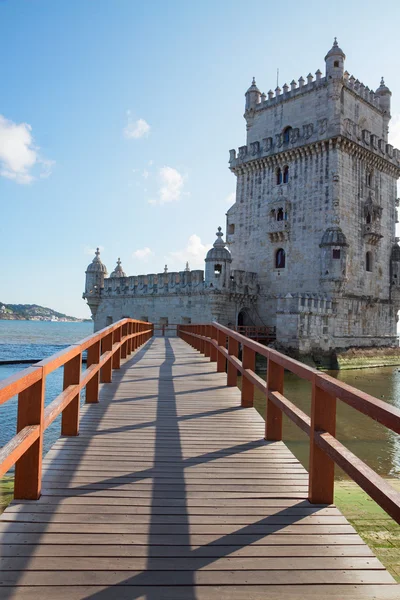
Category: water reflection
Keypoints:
(370, 441)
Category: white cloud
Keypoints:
(143, 253)
(145, 174)
(194, 252)
(230, 199)
(90, 250)
(136, 129)
(18, 154)
(171, 186)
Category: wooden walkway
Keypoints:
(171, 492)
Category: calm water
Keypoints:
(378, 447)
(35, 340)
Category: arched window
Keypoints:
(286, 135)
(368, 179)
(286, 174)
(336, 63)
(217, 269)
(280, 259)
(368, 218)
(278, 177)
(279, 214)
(368, 261)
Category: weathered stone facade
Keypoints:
(311, 236)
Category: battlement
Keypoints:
(311, 133)
(363, 91)
(296, 89)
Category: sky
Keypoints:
(117, 116)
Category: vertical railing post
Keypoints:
(129, 345)
(28, 469)
(106, 370)
(213, 350)
(273, 418)
(92, 386)
(70, 414)
(116, 362)
(134, 339)
(207, 344)
(233, 349)
(221, 360)
(321, 467)
(124, 329)
(248, 362)
(202, 341)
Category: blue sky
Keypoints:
(116, 118)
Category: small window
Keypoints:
(286, 135)
(217, 269)
(231, 228)
(286, 175)
(368, 261)
(279, 214)
(280, 259)
(109, 321)
(336, 253)
(368, 179)
(279, 177)
(368, 218)
(336, 63)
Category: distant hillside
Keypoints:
(32, 312)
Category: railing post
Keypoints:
(106, 371)
(273, 418)
(202, 341)
(70, 414)
(207, 343)
(92, 386)
(248, 362)
(116, 361)
(124, 349)
(28, 469)
(221, 360)
(134, 339)
(129, 343)
(322, 468)
(213, 350)
(233, 349)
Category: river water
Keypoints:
(373, 443)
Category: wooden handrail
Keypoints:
(320, 426)
(105, 349)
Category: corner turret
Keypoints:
(95, 274)
(384, 95)
(334, 62)
(253, 96)
(218, 264)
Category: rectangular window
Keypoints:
(335, 254)
(231, 228)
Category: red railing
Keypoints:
(265, 334)
(222, 346)
(105, 349)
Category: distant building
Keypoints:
(311, 236)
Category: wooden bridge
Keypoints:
(175, 487)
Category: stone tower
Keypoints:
(315, 210)
(218, 262)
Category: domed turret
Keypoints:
(333, 258)
(96, 266)
(95, 274)
(333, 236)
(118, 271)
(253, 95)
(334, 62)
(218, 262)
(384, 95)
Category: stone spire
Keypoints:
(166, 269)
(96, 264)
(187, 268)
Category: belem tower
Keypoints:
(310, 240)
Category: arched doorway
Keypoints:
(243, 318)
